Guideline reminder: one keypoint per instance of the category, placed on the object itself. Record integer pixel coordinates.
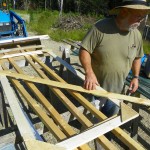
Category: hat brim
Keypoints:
(137, 7)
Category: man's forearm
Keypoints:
(85, 60)
(136, 66)
(90, 81)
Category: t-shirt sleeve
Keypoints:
(140, 51)
(91, 39)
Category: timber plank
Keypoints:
(21, 48)
(37, 145)
(76, 72)
(42, 115)
(103, 140)
(21, 54)
(126, 112)
(141, 101)
(24, 39)
(66, 128)
(94, 132)
(25, 127)
(72, 108)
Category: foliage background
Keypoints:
(45, 15)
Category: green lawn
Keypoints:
(47, 22)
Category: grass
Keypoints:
(61, 34)
(44, 22)
(20, 11)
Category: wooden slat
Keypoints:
(94, 132)
(21, 54)
(55, 115)
(21, 48)
(44, 117)
(26, 130)
(124, 137)
(126, 111)
(25, 38)
(66, 128)
(102, 140)
(65, 100)
(136, 100)
(72, 108)
(76, 72)
(37, 145)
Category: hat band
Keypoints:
(134, 3)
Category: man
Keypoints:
(111, 48)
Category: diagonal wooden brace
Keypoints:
(106, 94)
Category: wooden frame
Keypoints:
(50, 117)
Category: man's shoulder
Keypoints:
(105, 21)
(105, 25)
(137, 33)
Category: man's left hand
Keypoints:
(134, 85)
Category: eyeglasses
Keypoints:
(139, 16)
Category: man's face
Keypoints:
(133, 18)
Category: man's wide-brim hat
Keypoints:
(132, 4)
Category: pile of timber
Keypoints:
(69, 23)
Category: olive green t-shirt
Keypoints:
(112, 53)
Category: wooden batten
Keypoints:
(47, 121)
(37, 145)
(21, 48)
(141, 101)
(26, 130)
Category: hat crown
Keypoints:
(133, 0)
(132, 4)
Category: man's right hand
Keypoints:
(90, 78)
(90, 81)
